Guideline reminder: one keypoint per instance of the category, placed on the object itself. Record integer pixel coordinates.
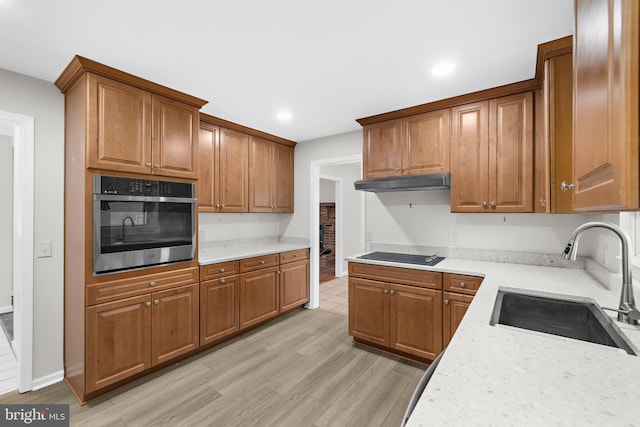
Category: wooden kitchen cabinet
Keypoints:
(270, 176)
(128, 336)
(219, 308)
(259, 296)
(397, 317)
(133, 130)
(223, 171)
(458, 292)
(414, 145)
(294, 279)
(605, 88)
(492, 155)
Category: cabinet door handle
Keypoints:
(156, 165)
(564, 187)
(223, 281)
(217, 205)
(404, 168)
(493, 204)
(484, 203)
(148, 164)
(385, 291)
(156, 302)
(543, 202)
(148, 303)
(152, 283)
(397, 169)
(279, 272)
(446, 301)
(462, 284)
(392, 292)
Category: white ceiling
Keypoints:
(328, 62)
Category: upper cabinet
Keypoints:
(414, 145)
(605, 151)
(130, 124)
(270, 176)
(223, 184)
(492, 155)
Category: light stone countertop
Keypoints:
(231, 252)
(504, 376)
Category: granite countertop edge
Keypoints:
(208, 256)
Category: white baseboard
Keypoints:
(6, 309)
(47, 380)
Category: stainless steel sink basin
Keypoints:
(571, 317)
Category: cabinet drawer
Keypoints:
(117, 289)
(220, 269)
(256, 263)
(407, 276)
(292, 256)
(461, 283)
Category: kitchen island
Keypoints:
(503, 376)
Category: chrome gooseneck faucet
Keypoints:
(627, 311)
(124, 220)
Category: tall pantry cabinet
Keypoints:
(119, 325)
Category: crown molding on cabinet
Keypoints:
(244, 129)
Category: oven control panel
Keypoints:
(140, 187)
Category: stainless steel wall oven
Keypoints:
(141, 223)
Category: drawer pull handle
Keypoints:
(152, 283)
(223, 281)
(462, 284)
(261, 262)
(222, 270)
(156, 302)
(446, 301)
(148, 304)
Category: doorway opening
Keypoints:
(332, 190)
(18, 132)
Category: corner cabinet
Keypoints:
(605, 99)
(396, 309)
(130, 128)
(492, 155)
(270, 176)
(457, 293)
(414, 145)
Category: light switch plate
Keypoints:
(43, 249)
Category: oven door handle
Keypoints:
(120, 198)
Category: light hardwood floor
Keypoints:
(301, 370)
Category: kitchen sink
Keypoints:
(571, 317)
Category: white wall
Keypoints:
(327, 190)
(33, 97)
(6, 221)
(215, 227)
(352, 207)
(330, 147)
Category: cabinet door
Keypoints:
(454, 308)
(283, 178)
(260, 166)
(294, 285)
(119, 128)
(369, 310)
(233, 172)
(426, 143)
(511, 153)
(219, 316)
(416, 320)
(382, 153)
(175, 323)
(470, 158)
(118, 341)
(605, 153)
(258, 296)
(174, 146)
(208, 143)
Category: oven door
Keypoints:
(139, 231)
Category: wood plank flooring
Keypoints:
(300, 370)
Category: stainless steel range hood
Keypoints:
(436, 181)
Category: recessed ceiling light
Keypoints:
(443, 68)
(284, 116)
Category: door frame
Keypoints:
(314, 222)
(21, 128)
(337, 186)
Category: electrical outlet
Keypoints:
(453, 238)
(369, 236)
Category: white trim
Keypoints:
(339, 237)
(48, 380)
(23, 197)
(6, 309)
(314, 221)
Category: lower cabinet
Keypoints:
(294, 283)
(259, 296)
(399, 317)
(219, 308)
(127, 336)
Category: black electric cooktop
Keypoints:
(428, 260)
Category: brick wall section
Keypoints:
(328, 218)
